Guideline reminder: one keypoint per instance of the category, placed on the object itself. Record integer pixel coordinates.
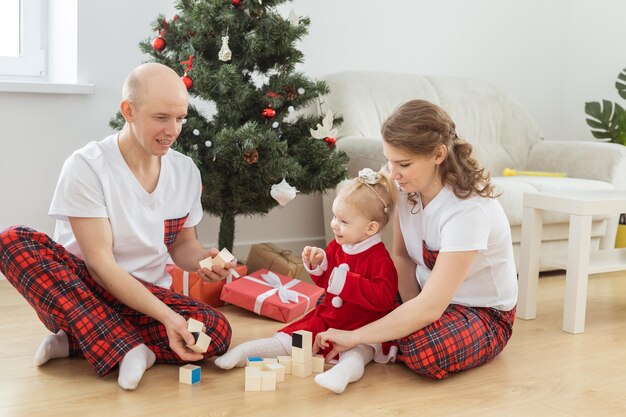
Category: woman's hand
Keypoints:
(179, 337)
(342, 340)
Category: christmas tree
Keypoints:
(255, 149)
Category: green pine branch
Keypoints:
(240, 152)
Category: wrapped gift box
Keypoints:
(189, 283)
(272, 295)
(281, 261)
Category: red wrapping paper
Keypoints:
(245, 293)
(197, 288)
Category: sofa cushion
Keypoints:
(364, 153)
(499, 129)
(501, 132)
(366, 99)
(513, 189)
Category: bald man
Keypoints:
(122, 206)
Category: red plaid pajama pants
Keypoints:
(462, 338)
(65, 297)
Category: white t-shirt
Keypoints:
(96, 182)
(451, 224)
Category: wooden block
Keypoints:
(269, 360)
(223, 257)
(302, 346)
(268, 381)
(301, 355)
(194, 325)
(301, 369)
(206, 263)
(318, 364)
(253, 379)
(302, 339)
(255, 361)
(189, 374)
(277, 368)
(202, 342)
(285, 361)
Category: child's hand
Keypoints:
(312, 256)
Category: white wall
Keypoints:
(595, 55)
(550, 56)
(41, 130)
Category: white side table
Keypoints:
(580, 262)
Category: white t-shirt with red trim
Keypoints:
(96, 182)
(451, 224)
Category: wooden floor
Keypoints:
(542, 372)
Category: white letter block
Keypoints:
(253, 379)
(285, 361)
(318, 363)
(194, 325)
(301, 370)
(278, 369)
(223, 257)
(268, 381)
(202, 342)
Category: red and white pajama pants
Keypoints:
(463, 338)
(65, 297)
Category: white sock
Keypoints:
(133, 365)
(53, 346)
(350, 368)
(265, 348)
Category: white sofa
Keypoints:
(503, 136)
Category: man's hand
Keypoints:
(179, 337)
(215, 273)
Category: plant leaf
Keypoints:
(601, 134)
(619, 124)
(601, 121)
(595, 124)
(620, 84)
(607, 109)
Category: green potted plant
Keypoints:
(608, 122)
(607, 119)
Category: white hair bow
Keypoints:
(368, 176)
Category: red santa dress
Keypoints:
(361, 284)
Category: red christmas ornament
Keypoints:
(188, 67)
(272, 94)
(159, 43)
(187, 80)
(330, 141)
(175, 18)
(268, 113)
(235, 3)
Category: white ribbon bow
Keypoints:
(284, 293)
(185, 283)
(232, 273)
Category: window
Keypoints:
(23, 33)
(39, 47)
